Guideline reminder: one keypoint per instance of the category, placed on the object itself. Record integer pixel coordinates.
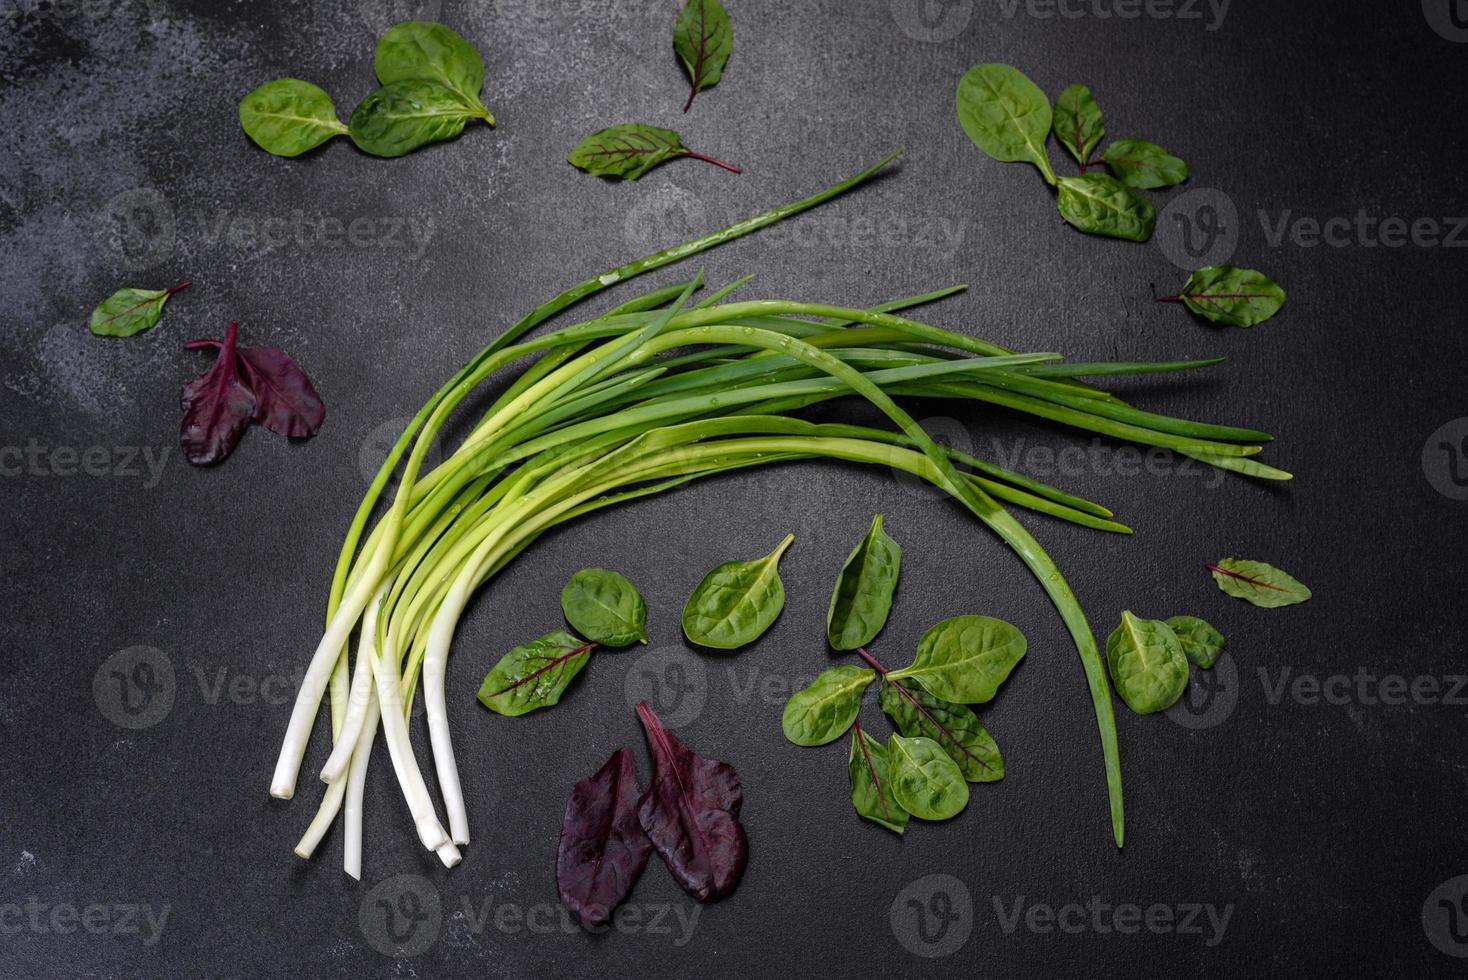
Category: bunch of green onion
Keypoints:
(654, 393)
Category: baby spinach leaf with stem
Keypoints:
(426, 51)
(964, 659)
(871, 782)
(1230, 295)
(287, 117)
(1099, 204)
(925, 781)
(863, 595)
(1147, 664)
(1256, 582)
(605, 607)
(1078, 123)
(736, 602)
(534, 675)
(703, 37)
(603, 847)
(690, 812)
(1143, 165)
(130, 311)
(954, 727)
(403, 116)
(629, 150)
(1201, 643)
(1006, 115)
(823, 711)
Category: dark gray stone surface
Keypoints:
(1322, 825)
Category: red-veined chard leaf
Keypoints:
(629, 150)
(954, 727)
(871, 782)
(703, 38)
(534, 675)
(130, 311)
(1254, 581)
(217, 406)
(1144, 165)
(690, 812)
(1230, 295)
(603, 846)
(1078, 123)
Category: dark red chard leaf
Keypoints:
(285, 400)
(603, 847)
(217, 407)
(691, 813)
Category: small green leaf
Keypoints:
(287, 117)
(871, 782)
(605, 608)
(534, 675)
(736, 602)
(1099, 204)
(863, 595)
(130, 311)
(1143, 165)
(1078, 123)
(1230, 295)
(964, 659)
(399, 118)
(954, 727)
(823, 711)
(1263, 585)
(1201, 643)
(925, 781)
(1006, 115)
(424, 51)
(627, 150)
(1147, 664)
(703, 38)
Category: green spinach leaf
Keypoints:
(703, 37)
(1143, 165)
(1147, 664)
(130, 311)
(605, 608)
(1254, 581)
(863, 595)
(400, 117)
(871, 782)
(424, 51)
(1078, 123)
(1099, 204)
(1201, 643)
(1006, 115)
(964, 659)
(736, 602)
(287, 117)
(954, 727)
(1230, 295)
(823, 711)
(629, 150)
(534, 675)
(925, 781)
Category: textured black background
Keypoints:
(1324, 828)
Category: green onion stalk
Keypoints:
(653, 393)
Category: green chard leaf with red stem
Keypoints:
(1230, 295)
(1259, 583)
(629, 150)
(703, 38)
(871, 782)
(130, 311)
(534, 675)
(1078, 123)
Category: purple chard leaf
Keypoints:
(217, 406)
(603, 847)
